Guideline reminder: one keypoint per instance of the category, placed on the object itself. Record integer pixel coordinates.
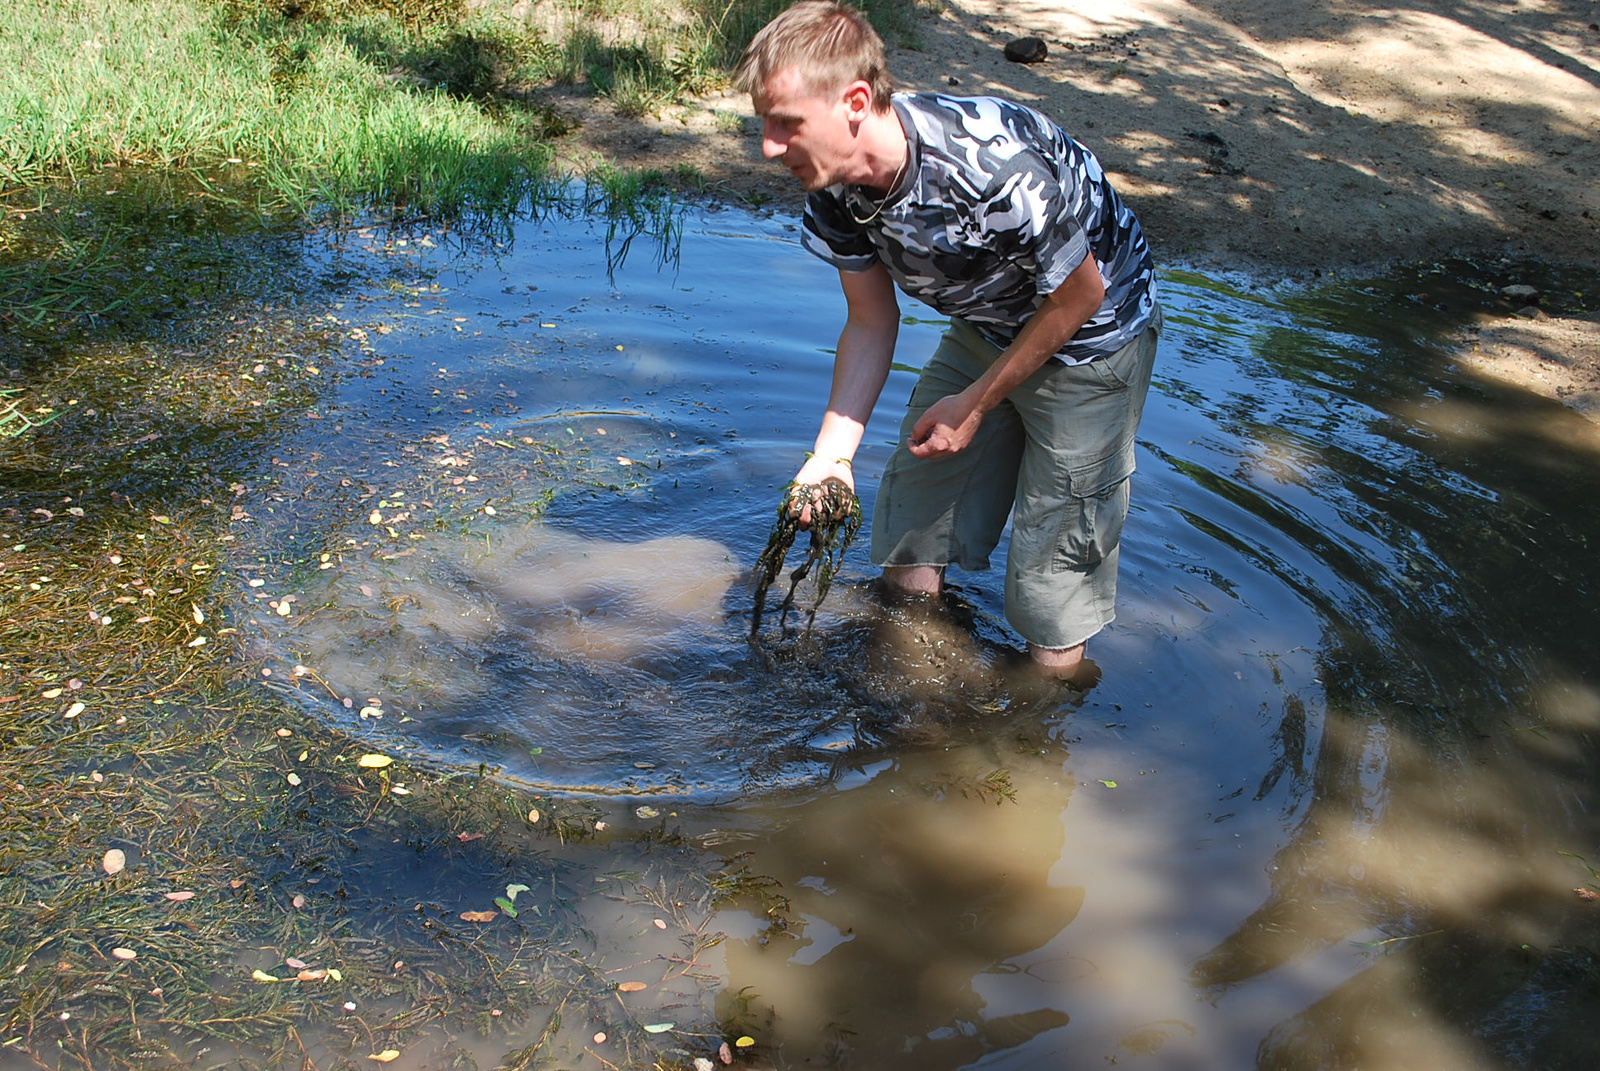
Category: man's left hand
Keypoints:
(946, 427)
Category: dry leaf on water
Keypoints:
(479, 916)
(180, 896)
(124, 953)
(113, 861)
(631, 987)
(374, 762)
(385, 1056)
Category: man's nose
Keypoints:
(773, 144)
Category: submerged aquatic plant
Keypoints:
(835, 514)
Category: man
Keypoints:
(986, 211)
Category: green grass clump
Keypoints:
(315, 109)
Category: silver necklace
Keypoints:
(893, 184)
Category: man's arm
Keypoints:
(949, 424)
(860, 368)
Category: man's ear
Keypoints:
(857, 100)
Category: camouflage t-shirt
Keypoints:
(995, 210)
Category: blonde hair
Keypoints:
(828, 44)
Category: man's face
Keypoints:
(809, 133)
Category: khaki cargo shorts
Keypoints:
(1056, 456)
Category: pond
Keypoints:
(1327, 805)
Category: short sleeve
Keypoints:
(1045, 225)
(828, 232)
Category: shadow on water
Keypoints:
(1328, 805)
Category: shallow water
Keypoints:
(1326, 807)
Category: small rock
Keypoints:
(953, 80)
(1027, 50)
(1520, 292)
(1532, 312)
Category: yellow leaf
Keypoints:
(262, 976)
(631, 987)
(199, 615)
(374, 762)
(745, 1042)
(52, 693)
(376, 517)
(385, 1056)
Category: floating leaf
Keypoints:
(297, 964)
(262, 976)
(658, 1028)
(1108, 784)
(51, 693)
(180, 896)
(479, 916)
(505, 905)
(124, 953)
(313, 975)
(294, 779)
(374, 762)
(336, 974)
(513, 890)
(536, 751)
(646, 812)
(113, 861)
(74, 710)
(199, 615)
(385, 1056)
(600, 1038)
(660, 924)
(533, 816)
(631, 987)
(745, 1042)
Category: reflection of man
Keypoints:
(985, 210)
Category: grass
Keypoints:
(411, 108)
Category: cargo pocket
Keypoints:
(1092, 515)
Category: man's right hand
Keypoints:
(811, 474)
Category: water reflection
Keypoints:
(1327, 806)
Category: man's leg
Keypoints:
(1072, 497)
(914, 579)
(950, 510)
